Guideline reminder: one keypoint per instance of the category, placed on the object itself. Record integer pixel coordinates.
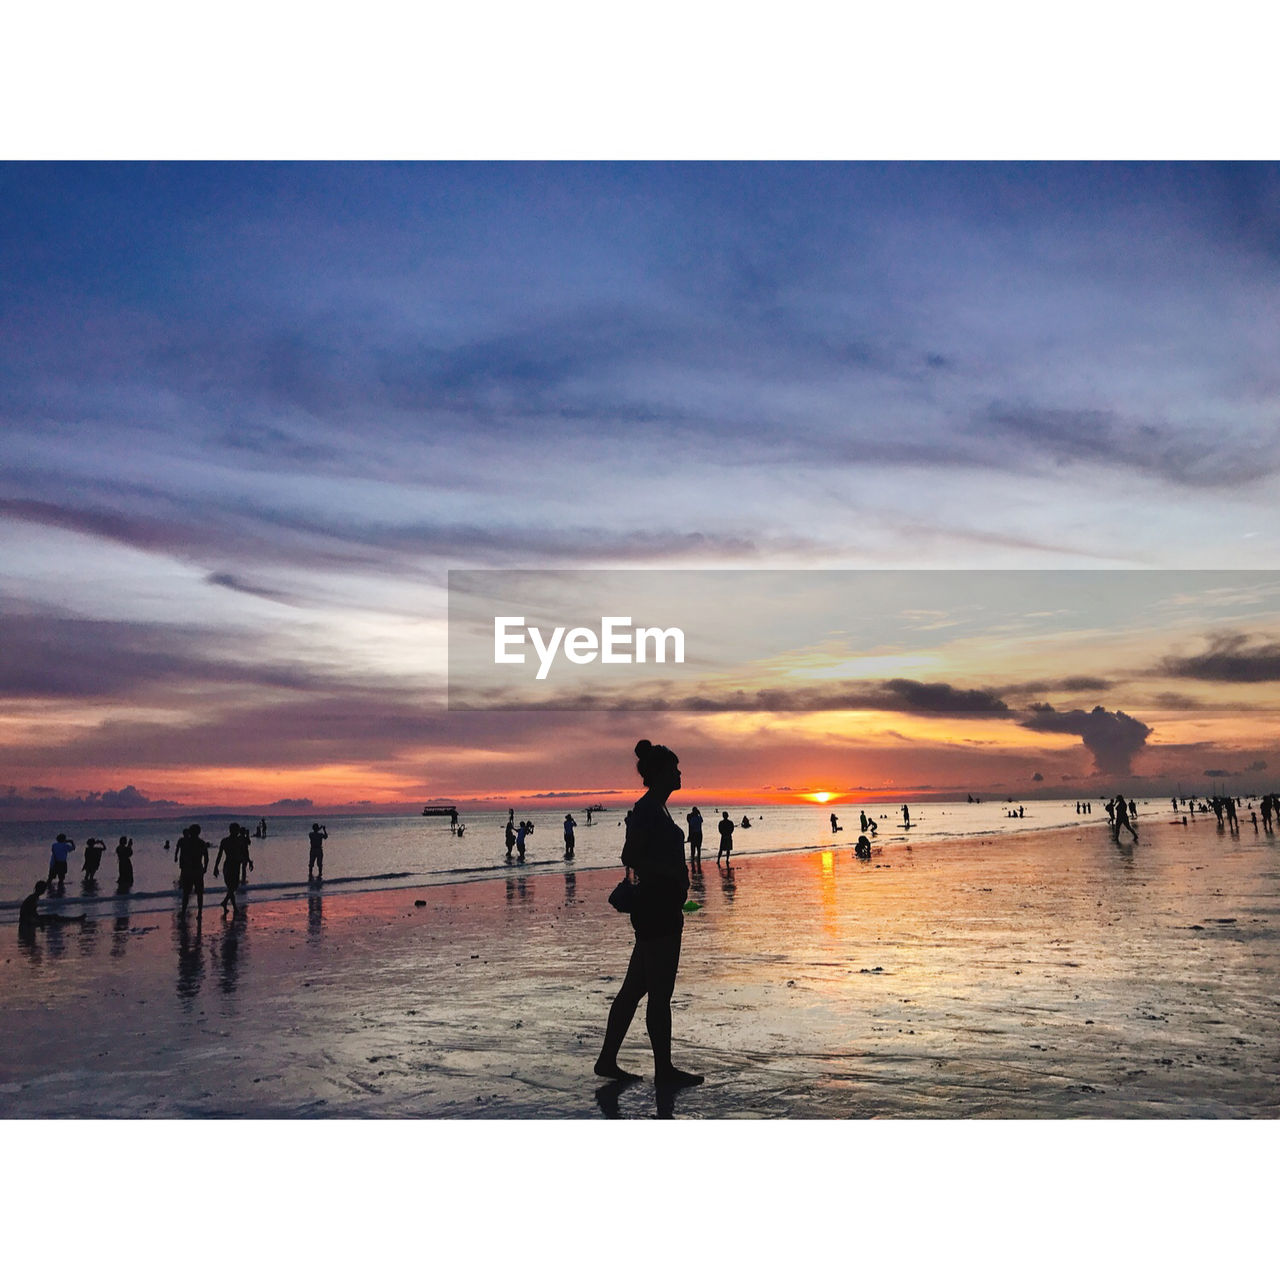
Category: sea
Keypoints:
(367, 852)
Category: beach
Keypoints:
(1038, 975)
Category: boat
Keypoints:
(440, 811)
(596, 808)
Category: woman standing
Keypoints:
(653, 854)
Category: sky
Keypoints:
(254, 415)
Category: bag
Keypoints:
(623, 897)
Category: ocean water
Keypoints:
(364, 853)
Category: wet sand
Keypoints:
(1034, 976)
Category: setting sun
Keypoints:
(821, 797)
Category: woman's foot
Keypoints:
(613, 1071)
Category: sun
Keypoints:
(821, 797)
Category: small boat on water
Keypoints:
(449, 811)
(596, 808)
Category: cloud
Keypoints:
(1258, 766)
(1176, 702)
(1229, 658)
(39, 800)
(56, 655)
(250, 536)
(1112, 737)
(1037, 777)
(1217, 773)
(1173, 452)
(301, 803)
(1064, 684)
(234, 583)
(567, 795)
(909, 697)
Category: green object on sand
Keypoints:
(692, 906)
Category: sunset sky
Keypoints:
(254, 415)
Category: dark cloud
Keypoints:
(1176, 702)
(1037, 777)
(1258, 766)
(41, 800)
(940, 699)
(1229, 658)
(567, 795)
(1061, 684)
(1112, 737)
(910, 697)
(64, 656)
(264, 538)
(1101, 437)
(234, 583)
(1217, 773)
(301, 803)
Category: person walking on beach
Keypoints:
(569, 825)
(726, 837)
(315, 860)
(653, 854)
(1122, 819)
(192, 857)
(229, 849)
(510, 834)
(124, 864)
(243, 841)
(59, 852)
(1229, 804)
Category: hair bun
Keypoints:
(643, 747)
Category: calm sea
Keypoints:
(364, 853)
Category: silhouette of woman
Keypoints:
(654, 856)
(124, 856)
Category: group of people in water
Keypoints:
(1226, 809)
(724, 828)
(190, 853)
(62, 849)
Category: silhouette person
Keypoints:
(124, 864)
(59, 851)
(863, 821)
(521, 832)
(510, 834)
(192, 857)
(726, 836)
(835, 826)
(1122, 818)
(569, 825)
(229, 858)
(93, 851)
(29, 915)
(694, 823)
(654, 856)
(315, 859)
